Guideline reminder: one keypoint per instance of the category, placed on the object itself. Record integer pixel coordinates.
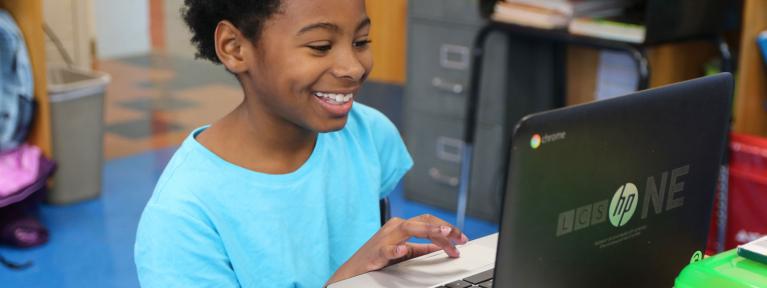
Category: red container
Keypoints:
(744, 217)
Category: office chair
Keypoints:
(385, 208)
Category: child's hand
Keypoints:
(388, 245)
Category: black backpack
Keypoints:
(16, 85)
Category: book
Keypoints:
(620, 28)
(528, 15)
(576, 8)
(616, 75)
(553, 14)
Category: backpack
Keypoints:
(18, 221)
(16, 85)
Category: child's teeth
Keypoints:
(338, 98)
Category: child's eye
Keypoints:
(320, 48)
(362, 43)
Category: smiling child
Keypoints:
(283, 191)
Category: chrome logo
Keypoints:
(535, 142)
(623, 204)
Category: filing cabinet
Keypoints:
(440, 39)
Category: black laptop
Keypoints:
(615, 193)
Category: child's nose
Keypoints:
(348, 65)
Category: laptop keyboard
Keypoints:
(482, 279)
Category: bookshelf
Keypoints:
(673, 62)
(750, 110)
(657, 63)
(671, 59)
(670, 62)
(29, 17)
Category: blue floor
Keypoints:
(91, 243)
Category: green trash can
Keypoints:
(77, 106)
(725, 269)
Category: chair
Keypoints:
(385, 208)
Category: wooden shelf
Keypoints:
(675, 62)
(751, 92)
(29, 17)
(669, 63)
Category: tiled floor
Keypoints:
(151, 104)
(153, 101)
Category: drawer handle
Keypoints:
(444, 179)
(449, 149)
(454, 56)
(440, 84)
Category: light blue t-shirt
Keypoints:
(211, 223)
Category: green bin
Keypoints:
(726, 269)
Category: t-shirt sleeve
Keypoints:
(176, 247)
(393, 155)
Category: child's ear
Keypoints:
(230, 47)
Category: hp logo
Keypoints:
(623, 204)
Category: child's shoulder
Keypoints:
(190, 170)
(368, 117)
(367, 113)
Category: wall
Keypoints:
(71, 21)
(388, 33)
(122, 27)
(177, 35)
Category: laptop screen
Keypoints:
(616, 193)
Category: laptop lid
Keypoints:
(616, 193)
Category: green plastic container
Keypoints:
(725, 269)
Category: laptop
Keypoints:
(614, 193)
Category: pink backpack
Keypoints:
(24, 172)
(19, 169)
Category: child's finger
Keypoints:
(417, 249)
(455, 234)
(393, 252)
(438, 234)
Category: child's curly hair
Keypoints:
(202, 16)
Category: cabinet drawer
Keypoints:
(439, 71)
(461, 11)
(428, 9)
(465, 11)
(439, 63)
(436, 146)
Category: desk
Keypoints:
(562, 37)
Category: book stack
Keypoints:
(627, 27)
(555, 14)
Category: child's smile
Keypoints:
(337, 103)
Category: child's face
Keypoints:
(310, 60)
